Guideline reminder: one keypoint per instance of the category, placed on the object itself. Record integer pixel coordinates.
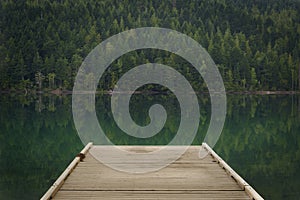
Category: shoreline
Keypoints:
(69, 92)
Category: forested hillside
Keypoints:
(255, 43)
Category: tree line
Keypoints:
(255, 44)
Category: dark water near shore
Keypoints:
(260, 140)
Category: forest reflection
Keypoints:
(260, 139)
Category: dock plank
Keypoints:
(235, 195)
(187, 178)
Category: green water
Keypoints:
(260, 139)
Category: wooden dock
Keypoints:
(187, 178)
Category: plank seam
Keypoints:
(79, 190)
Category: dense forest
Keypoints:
(255, 44)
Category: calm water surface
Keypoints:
(260, 140)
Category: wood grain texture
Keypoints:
(187, 178)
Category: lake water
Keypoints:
(260, 140)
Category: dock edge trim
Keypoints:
(241, 182)
(61, 179)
